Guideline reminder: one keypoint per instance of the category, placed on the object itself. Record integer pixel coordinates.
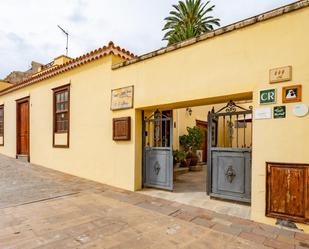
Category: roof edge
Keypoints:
(111, 49)
(220, 31)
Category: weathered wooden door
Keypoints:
(22, 127)
(157, 150)
(287, 189)
(229, 153)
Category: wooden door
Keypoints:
(23, 127)
(204, 126)
(287, 192)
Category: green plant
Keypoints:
(188, 19)
(179, 156)
(193, 140)
(184, 141)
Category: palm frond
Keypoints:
(187, 19)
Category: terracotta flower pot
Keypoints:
(194, 160)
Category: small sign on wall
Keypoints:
(122, 129)
(280, 74)
(279, 112)
(122, 98)
(300, 110)
(268, 96)
(262, 113)
(291, 94)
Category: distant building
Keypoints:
(19, 76)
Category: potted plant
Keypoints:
(191, 143)
(179, 158)
(185, 142)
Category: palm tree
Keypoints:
(189, 19)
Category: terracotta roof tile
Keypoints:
(76, 62)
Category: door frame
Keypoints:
(203, 124)
(18, 102)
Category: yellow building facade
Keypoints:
(232, 63)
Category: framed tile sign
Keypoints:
(280, 74)
(268, 96)
(279, 112)
(122, 129)
(292, 94)
(122, 98)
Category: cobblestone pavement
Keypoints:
(41, 208)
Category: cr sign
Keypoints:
(268, 96)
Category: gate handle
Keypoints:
(230, 174)
(157, 168)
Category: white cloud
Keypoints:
(28, 29)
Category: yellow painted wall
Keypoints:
(92, 153)
(232, 65)
(280, 140)
(4, 84)
(237, 62)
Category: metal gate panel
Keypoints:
(231, 174)
(229, 158)
(157, 150)
(158, 171)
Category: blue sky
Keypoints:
(28, 29)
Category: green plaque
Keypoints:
(268, 96)
(279, 112)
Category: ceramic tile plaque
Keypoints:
(279, 112)
(267, 96)
(122, 98)
(280, 74)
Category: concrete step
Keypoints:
(180, 171)
(23, 158)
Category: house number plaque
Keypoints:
(280, 74)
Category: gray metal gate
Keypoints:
(157, 150)
(229, 153)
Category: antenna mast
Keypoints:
(67, 35)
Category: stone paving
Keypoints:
(41, 208)
(189, 188)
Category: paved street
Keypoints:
(41, 208)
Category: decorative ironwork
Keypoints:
(233, 119)
(230, 126)
(157, 129)
(232, 107)
(230, 174)
(157, 168)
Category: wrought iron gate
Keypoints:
(157, 150)
(229, 153)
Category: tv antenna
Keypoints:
(67, 35)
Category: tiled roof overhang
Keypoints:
(74, 63)
(239, 25)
